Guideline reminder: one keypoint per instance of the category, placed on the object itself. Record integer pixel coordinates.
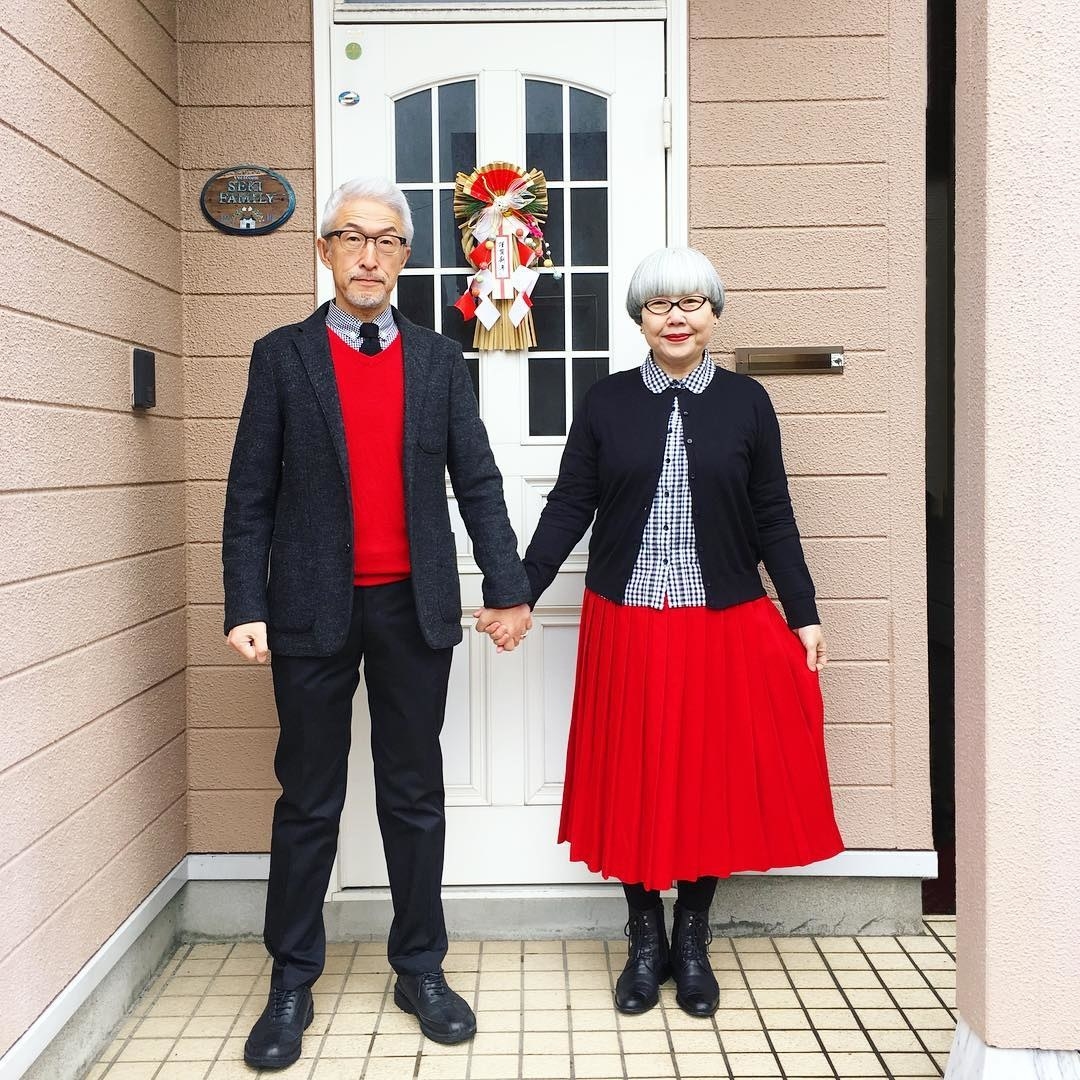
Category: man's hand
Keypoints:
(814, 643)
(249, 640)
(507, 627)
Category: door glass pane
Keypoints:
(553, 227)
(453, 322)
(588, 136)
(547, 395)
(415, 299)
(548, 313)
(450, 253)
(587, 370)
(420, 205)
(412, 138)
(457, 129)
(589, 312)
(588, 227)
(544, 128)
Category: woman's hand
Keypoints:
(814, 643)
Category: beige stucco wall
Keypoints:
(92, 579)
(1017, 522)
(245, 96)
(807, 191)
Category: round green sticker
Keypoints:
(353, 50)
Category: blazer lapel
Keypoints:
(314, 349)
(417, 353)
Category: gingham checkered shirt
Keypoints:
(667, 566)
(348, 329)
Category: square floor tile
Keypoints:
(390, 1069)
(905, 1065)
(852, 1065)
(753, 1065)
(496, 1042)
(792, 1042)
(648, 1065)
(800, 1065)
(597, 1065)
(494, 1066)
(701, 1065)
(895, 1040)
(930, 1019)
(745, 1042)
(132, 1070)
(443, 1068)
(545, 1066)
(145, 1050)
(539, 1019)
(196, 1049)
(183, 1070)
(545, 1042)
(847, 1042)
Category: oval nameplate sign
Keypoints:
(247, 199)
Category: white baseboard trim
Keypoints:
(34, 1041)
(854, 863)
(228, 867)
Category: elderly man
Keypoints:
(337, 547)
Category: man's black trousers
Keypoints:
(406, 685)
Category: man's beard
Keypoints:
(365, 300)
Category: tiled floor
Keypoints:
(790, 1007)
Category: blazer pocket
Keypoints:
(288, 591)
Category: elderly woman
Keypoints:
(696, 743)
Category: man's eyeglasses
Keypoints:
(355, 242)
(661, 305)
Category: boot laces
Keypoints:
(282, 1002)
(434, 983)
(643, 946)
(695, 935)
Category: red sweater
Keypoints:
(372, 392)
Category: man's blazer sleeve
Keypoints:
(478, 486)
(251, 495)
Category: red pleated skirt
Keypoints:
(696, 745)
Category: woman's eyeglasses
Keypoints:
(661, 305)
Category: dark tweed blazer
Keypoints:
(288, 503)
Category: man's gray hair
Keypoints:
(378, 188)
(673, 272)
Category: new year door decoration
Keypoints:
(500, 209)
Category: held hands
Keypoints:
(813, 641)
(507, 627)
(249, 640)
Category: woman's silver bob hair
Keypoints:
(673, 271)
(369, 187)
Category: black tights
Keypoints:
(693, 895)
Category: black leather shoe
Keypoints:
(696, 989)
(278, 1035)
(638, 987)
(444, 1016)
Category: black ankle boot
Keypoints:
(638, 988)
(696, 989)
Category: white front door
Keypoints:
(584, 103)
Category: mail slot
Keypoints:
(809, 360)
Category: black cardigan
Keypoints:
(742, 510)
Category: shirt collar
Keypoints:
(348, 327)
(658, 380)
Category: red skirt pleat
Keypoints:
(696, 745)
